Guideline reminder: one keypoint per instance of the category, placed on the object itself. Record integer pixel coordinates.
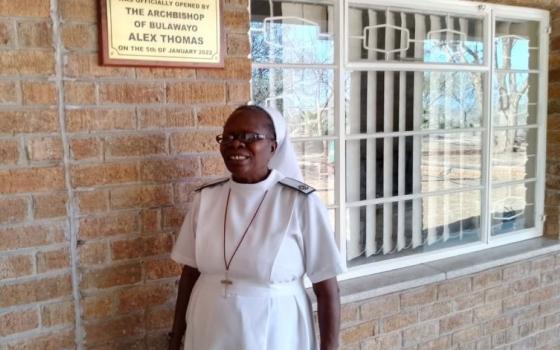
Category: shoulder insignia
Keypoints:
(297, 185)
(212, 184)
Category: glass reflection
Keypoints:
(384, 167)
(514, 155)
(408, 101)
(382, 34)
(383, 231)
(317, 161)
(304, 96)
(291, 32)
(513, 208)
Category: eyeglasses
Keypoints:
(246, 138)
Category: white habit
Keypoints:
(266, 307)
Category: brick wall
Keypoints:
(512, 307)
(96, 169)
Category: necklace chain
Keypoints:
(226, 262)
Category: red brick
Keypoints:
(112, 276)
(173, 217)
(79, 93)
(7, 35)
(34, 291)
(239, 93)
(97, 307)
(86, 148)
(26, 62)
(194, 142)
(30, 236)
(35, 34)
(196, 92)
(236, 21)
(114, 329)
(87, 65)
(28, 122)
(140, 297)
(132, 93)
(31, 180)
(156, 269)
(169, 169)
(141, 196)
(18, 321)
(44, 148)
(109, 225)
(13, 210)
(88, 120)
(93, 253)
(234, 68)
(150, 220)
(53, 260)
(214, 116)
(57, 314)
(135, 145)
(50, 205)
(165, 118)
(213, 166)
(78, 10)
(79, 36)
(93, 201)
(435, 310)
(8, 93)
(25, 8)
(419, 296)
(184, 192)
(165, 73)
(238, 45)
(400, 320)
(453, 288)
(486, 279)
(103, 174)
(141, 247)
(55, 340)
(349, 314)
(12, 266)
(455, 321)
(474, 299)
(420, 333)
(358, 332)
(9, 151)
(160, 318)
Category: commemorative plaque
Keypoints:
(169, 33)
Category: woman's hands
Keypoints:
(189, 275)
(328, 312)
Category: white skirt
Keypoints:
(248, 316)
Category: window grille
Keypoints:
(421, 125)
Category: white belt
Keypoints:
(244, 287)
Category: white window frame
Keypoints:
(489, 13)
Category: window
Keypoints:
(420, 125)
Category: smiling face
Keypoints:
(248, 163)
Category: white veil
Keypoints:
(284, 159)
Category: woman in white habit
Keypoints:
(246, 244)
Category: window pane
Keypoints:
(304, 96)
(515, 98)
(382, 231)
(406, 101)
(387, 35)
(385, 167)
(291, 32)
(513, 208)
(517, 44)
(316, 160)
(514, 154)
